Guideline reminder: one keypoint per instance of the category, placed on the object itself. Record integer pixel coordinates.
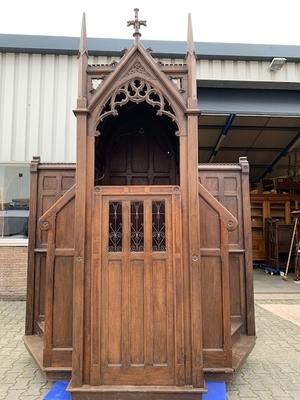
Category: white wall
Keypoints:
(38, 93)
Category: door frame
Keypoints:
(177, 292)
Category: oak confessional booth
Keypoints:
(140, 270)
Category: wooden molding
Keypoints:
(226, 216)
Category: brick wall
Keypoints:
(13, 272)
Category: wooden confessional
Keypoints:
(140, 273)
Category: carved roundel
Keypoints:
(137, 91)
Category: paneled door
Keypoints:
(138, 301)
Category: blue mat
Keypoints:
(58, 391)
(216, 391)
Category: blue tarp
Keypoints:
(216, 391)
(58, 391)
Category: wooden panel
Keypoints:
(65, 227)
(210, 232)
(113, 302)
(139, 154)
(63, 302)
(51, 186)
(230, 184)
(53, 291)
(136, 312)
(49, 183)
(226, 187)
(46, 202)
(160, 322)
(212, 303)
(138, 309)
(161, 159)
(212, 184)
(237, 279)
(144, 155)
(67, 182)
(40, 282)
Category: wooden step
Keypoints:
(241, 349)
(35, 345)
(112, 392)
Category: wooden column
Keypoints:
(29, 325)
(193, 215)
(80, 259)
(248, 246)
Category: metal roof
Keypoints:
(249, 101)
(265, 140)
(176, 49)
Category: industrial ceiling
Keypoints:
(266, 141)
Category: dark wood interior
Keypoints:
(137, 147)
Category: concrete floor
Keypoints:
(265, 283)
(271, 372)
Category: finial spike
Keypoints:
(136, 23)
(83, 61)
(83, 39)
(190, 37)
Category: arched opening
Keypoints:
(137, 147)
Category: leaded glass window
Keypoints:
(158, 226)
(137, 226)
(115, 226)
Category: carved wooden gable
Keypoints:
(137, 77)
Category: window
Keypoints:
(14, 200)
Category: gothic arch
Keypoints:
(136, 88)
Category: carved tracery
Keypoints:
(137, 91)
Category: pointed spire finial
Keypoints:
(83, 61)
(136, 23)
(83, 39)
(190, 37)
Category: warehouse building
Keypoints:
(248, 100)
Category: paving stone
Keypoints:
(233, 396)
(271, 372)
(14, 394)
(30, 397)
(264, 395)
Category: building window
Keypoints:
(14, 201)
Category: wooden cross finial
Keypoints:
(136, 25)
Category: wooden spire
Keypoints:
(190, 37)
(191, 63)
(83, 61)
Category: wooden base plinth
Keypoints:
(241, 349)
(34, 344)
(106, 392)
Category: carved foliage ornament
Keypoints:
(137, 68)
(137, 91)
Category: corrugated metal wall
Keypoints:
(37, 96)
(38, 93)
(243, 70)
